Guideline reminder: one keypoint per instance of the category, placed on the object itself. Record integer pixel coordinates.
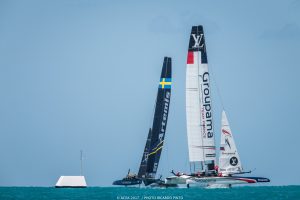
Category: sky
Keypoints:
(83, 75)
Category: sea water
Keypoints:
(123, 193)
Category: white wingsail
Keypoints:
(229, 160)
(200, 133)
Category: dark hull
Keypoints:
(128, 182)
(163, 185)
(151, 181)
(158, 183)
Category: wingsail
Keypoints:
(201, 141)
(156, 134)
(160, 119)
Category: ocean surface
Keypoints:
(121, 193)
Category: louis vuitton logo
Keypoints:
(197, 41)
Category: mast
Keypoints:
(156, 135)
(81, 158)
(201, 141)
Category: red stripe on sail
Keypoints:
(225, 132)
(190, 57)
(247, 180)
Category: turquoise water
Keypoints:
(244, 193)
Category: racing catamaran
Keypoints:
(200, 133)
(156, 134)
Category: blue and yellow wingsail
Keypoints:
(156, 135)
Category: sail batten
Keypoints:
(200, 133)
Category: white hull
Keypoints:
(211, 182)
(177, 179)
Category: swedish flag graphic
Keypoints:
(165, 83)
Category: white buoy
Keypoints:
(73, 181)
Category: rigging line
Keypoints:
(219, 96)
(81, 158)
(215, 83)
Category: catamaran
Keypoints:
(156, 134)
(200, 133)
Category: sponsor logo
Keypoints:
(263, 180)
(233, 161)
(206, 109)
(227, 153)
(202, 180)
(225, 132)
(165, 116)
(227, 142)
(197, 40)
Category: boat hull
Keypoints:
(127, 182)
(214, 182)
(157, 183)
(177, 179)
